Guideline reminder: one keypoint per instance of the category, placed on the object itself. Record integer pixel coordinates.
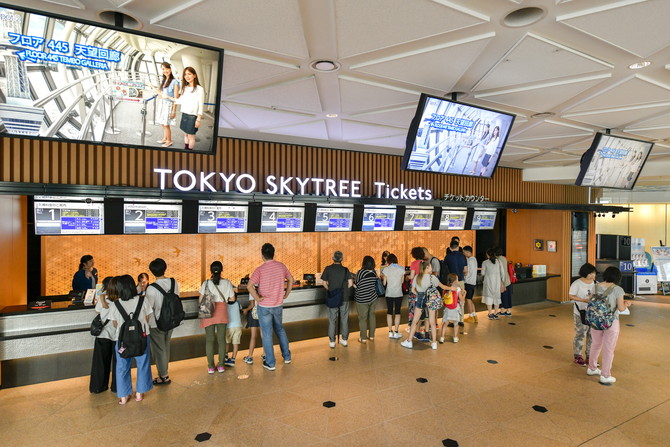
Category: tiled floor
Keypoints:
(378, 399)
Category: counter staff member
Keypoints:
(266, 287)
(87, 276)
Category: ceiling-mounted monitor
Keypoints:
(70, 80)
(613, 162)
(453, 219)
(152, 218)
(484, 219)
(450, 137)
(418, 219)
(218, 218)
(334, 219)
(379, 218)
(282, 219)
(68, 215)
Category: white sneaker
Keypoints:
(433, 346)
(407, 344)
(441, 339)
(455, 340)
(592, 372)
(397, 335)
(391, 334)
(332, 344)
(607, 380)
(344, 342)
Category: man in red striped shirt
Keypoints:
(266, 287)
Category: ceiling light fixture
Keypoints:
(325, 66)
(524, 17)
(542, 115)
(638, 65)
(331, 115)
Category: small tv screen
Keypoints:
(214, 218)
(613, 162)
(334, 219)
(66, 80)
(379, 219)
(484, 219)
(453, 219)
(68, 215)
(450, 137)
(152, 218)
(418, 219)
(282, 219)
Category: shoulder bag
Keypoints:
(206, 305)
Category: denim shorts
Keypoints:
(420, 301)
(187, 123)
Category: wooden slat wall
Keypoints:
(36, 161)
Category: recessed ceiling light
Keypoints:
(325, 66)
(524, 17)
(331, 115)
(542, 115)
(638, 65)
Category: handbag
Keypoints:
(379, 287)
(206, 305)
(334, 298)
(97, 325)
(254, 311)
(582, 315)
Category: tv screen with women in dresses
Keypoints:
(74, 81)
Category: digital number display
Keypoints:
(379, 219)
(484, 220)
(418, 219)
(282, 219)
(453, 219)
(334, 219)
(222, 219)
(52, 218)
(151, 218)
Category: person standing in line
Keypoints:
(470, 282)
(384, 262)
(434, 262)
(142, 283)
(455, 239)
(87, 275)
(337, 280)
(605, 340)
(253, 325)
(266, 286)
(418, 254)
(233, 330)
(580, 292)
(123, 292)
(506, 296)
(215, 327)
(493, 284)
(393, 275)
(104, 359)
(160, 340)
(458, 264)
(192, 102)
(167, 109)
(452, 307)
(365, 295)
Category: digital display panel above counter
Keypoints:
(69, 217)
(223, 218)
(282, 219)
(152, 218)
(334, 219)
(484, 219)
(379, 219)
(418, 219)
(453, 219)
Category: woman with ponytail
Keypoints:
(215, 327)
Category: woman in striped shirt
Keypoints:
(365, 295)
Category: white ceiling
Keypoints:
(572, 63)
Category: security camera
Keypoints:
(88, 200)
(514, 210)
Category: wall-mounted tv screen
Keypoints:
(484, 219)
(450, 137)
(334, 219)
(418, 219)
(80, 81)
(152, 218)
(222, 218)
(282, 219)
(613, 162)
(453, 219)
(379, 219)
(68, 215)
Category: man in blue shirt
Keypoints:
(456, 260)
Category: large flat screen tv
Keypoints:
(68, 215)
(450, 137)
(78, 81)
(613, 162)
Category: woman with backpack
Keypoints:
(580, 292)
(221, 292)
(129, 311)
(605, 339)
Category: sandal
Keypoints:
(124, 400)
(162, 380)
(139, 397)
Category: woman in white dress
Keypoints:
(167, 108)
(493, 284)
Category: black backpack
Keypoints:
(444, 271)
(172, 312)
(132, 338)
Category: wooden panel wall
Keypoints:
(87, 164)
(13, 240)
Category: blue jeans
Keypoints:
(270, 319)
(124, 386)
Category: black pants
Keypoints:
(393, 305)
(103, 362)
(506, 298)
